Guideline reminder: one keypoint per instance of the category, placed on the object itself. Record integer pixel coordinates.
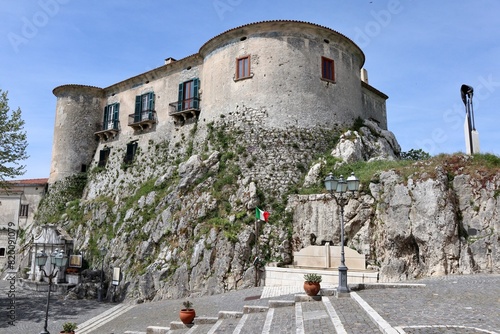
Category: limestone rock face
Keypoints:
(411, 228)
(181, 222)
(367, 144)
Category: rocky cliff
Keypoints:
(430, 218)
(180, 219)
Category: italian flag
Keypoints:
(261, 215)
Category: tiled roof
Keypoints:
(29, 182)
(282, 21)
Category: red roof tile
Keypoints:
(29, 182)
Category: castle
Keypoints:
(180, 156)
(297, 74)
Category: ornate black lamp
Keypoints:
(339, 187)
(58, 260)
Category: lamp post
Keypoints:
(103, 254)
(341, 186)
(58, 260)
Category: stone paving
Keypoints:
(30, 309)
(283, 321)
(471, 301)
(352, 316)
(316, 319)
(449, 305)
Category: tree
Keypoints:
(415, 155)
(13, 141)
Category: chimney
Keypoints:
(169, 60)
(364, 75)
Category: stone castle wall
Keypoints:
(285, 82)
(78, 111)
(285, 75)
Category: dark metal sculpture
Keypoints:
(470, 127)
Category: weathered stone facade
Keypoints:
(18, 204)
(284, 83)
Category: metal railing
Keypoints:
(184, 105)
(143, 116)
(109, 125)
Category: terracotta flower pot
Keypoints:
(187, 316)
(311, 288)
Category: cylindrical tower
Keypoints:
(286, 77)
(78, 111)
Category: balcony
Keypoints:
(108, 129)
(184, 110)
(143, 120)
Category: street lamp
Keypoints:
(58, 260)
(341, 186)
(103, 252)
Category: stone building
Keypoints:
(296, 74)
(18, 205)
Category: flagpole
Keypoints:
(256, 262)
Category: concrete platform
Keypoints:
(284, 276)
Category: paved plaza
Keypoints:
(452, 304)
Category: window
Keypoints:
(145, 102)
(103, 157)
(131, 149)
(144, 107)
(23, 210)
(188, 95)
(111, 116)
(327, 69)
(243, 67)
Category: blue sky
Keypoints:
(417, 52)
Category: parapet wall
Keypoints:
(328, 257)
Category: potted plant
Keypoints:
(311, 284)
(187, 314)
(68, 328)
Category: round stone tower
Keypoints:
(78, 113)
(286, 76)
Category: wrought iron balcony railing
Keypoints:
(143, 120)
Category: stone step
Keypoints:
(306, 298)
(281, 303)
(254, 309)
(304, 314)
(230, 314)
(157, 330)
(178, 325)
(205, 320)
(225, 325)
(251, 323)
(281, 319)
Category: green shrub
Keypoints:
(68, 327)
(312, 278)
(415, 155)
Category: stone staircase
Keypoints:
(304, 314)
